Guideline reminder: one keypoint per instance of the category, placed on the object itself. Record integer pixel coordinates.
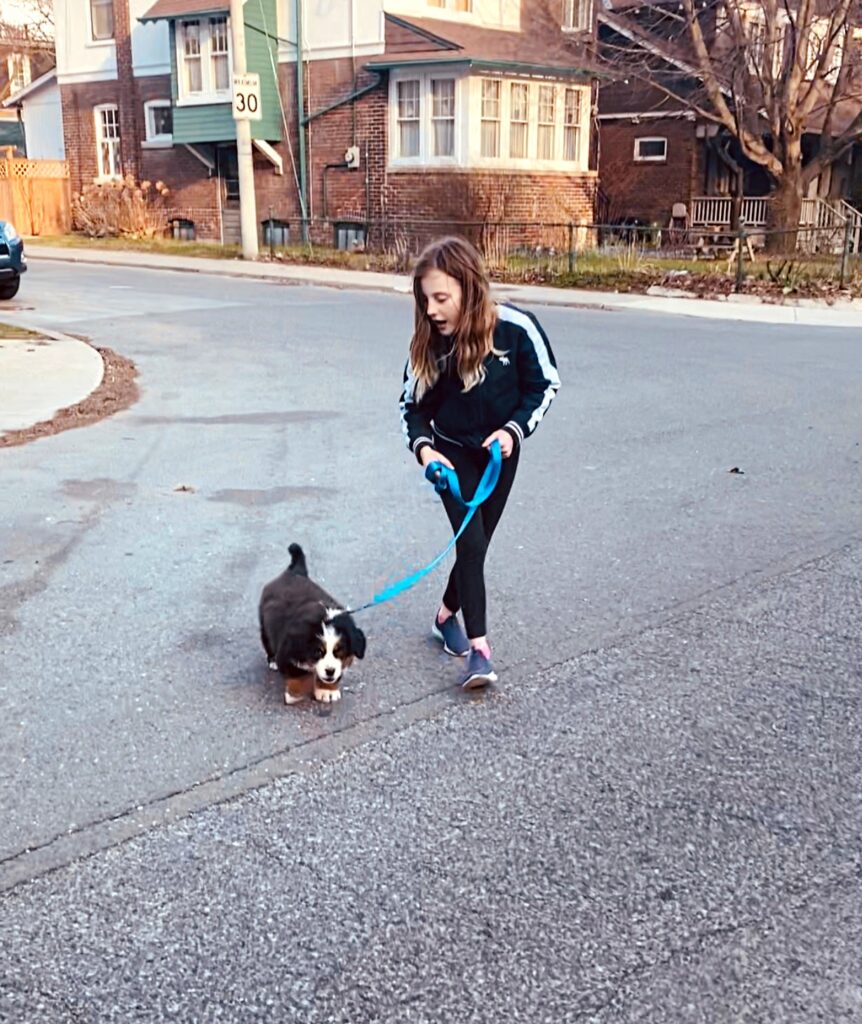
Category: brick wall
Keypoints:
(369, 193)
(647, 191)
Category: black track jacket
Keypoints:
(519, 386)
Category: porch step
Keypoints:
(231, 227)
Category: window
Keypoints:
(101, 20)
(519, 116)
(108, 142)
(547, 119)
(408, 119)
(220, 54)
(572, 125)
(578, 15)
(443, 116)
(159, 120)
(203, 55)
(18, 65)
(654, 150)
(490, 117)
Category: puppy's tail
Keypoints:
(297, 561)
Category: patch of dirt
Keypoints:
(117, 391)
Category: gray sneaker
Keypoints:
(479, 671)
(454, 639)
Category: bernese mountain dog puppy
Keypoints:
(308, 637)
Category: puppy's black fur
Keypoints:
(304, 629)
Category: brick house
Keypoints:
(663, 164)
(411, 110)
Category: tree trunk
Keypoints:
(785, 211)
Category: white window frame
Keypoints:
(91, 36)
(103, 172)
(16, 62)
(208, 94)
(640, 159)
(425, 157)
(577, 15)
(510, 120)
(153, 140)
(484, 118)
(468, 121)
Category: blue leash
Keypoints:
(445, 479)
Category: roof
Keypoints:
(163, 9)
(33, 87)
(425, 41)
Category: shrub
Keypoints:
(122, 208)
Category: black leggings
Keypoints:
(466, 588)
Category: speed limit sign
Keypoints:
(246, 97)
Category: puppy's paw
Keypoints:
(327, 695)
(273, 665)
(289, 698)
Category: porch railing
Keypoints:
(825, 220)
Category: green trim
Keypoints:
(481, 64)
(217, 10)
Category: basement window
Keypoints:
(276, 232)
(350, 236)
(650, 150)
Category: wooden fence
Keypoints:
(35, 195)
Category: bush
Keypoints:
(124, 208)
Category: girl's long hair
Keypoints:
(473, 338)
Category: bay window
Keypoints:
(203, 60)
(494, 122)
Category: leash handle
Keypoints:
(443, 478)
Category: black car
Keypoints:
(13, 262)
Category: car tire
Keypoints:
(9, 289)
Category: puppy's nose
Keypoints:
(329, 673)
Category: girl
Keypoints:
(477, 373)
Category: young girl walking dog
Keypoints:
(478, 372)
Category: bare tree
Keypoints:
(29, 25)
(783, 78)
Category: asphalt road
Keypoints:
(654, 817)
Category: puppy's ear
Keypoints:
(357, 642)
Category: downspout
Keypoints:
(301, 121)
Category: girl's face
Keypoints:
(443, 301)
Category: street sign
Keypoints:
(246, 97)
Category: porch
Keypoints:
(825, 225)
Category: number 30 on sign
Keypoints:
(246, 97)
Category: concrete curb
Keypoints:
(40, 376)
(847, 313)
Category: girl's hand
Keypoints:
(429, 454)
(507, 443)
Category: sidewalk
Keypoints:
(39, 378)
(805, 312)
(40, 375)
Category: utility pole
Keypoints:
(247, 203)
